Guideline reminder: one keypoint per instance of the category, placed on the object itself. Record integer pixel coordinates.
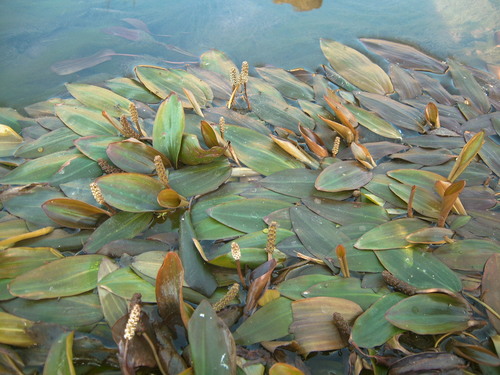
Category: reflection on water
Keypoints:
(113, 36)
(301, 5)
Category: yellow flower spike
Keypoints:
(271, 239)
(228, 297)
(236, 254)
(336, 145)
(160, 170)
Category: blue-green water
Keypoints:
(34, 35)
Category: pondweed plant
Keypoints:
(339, 221)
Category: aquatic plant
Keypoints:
(251, 223)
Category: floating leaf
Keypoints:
(60, 278)
(389, 235)
(168, 128)
(131, 89)
(130, 192)
(258, 151)
(312, 322)
(420, 269)
(192, 154)
(476, 353)
(268, 323)
(196, 272)
(9, 141)
(356, 68)
(246, 215)
(79, 311)
(347, 288)
(343, 175)
(18, 260)
(125, 283)
(396, 113)
(73, 213)
(318, 235)
(489, 287)
(430, 314)
(94, 147)
(405, 85)
(134, 156)
(424, 201)
(213, 350)
(286, 83)
(169, 291)
(345, 213)
(57, 140)
(404, 56)
(99, 98)
(217, 61)
(14, 330)
(417, 177)
(200, 179)
(434, 235)
(374, 123)
(467, 255)
(467, 85)
(60, 357)
(162, 82)
(371, 328)
(123, 225)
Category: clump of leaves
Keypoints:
(197, 221)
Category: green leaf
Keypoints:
(94, 147)
(38, 170)
(99, 98)
(371, 328)
(218, 62)
(347, 288)
(356, 68)
(286, 83)
(318, 235)
(168, 128)
(420, 269)
(13, 330)
(59, 278)
(213, 350)
(389, 235)
(268, 323)
(424, 179)
(258, 151)
(162, 82)
(134, 156)
(57, 140)
(193, 154)
(60, 357)
(345, 213)
(246, 215)
(343, 175)
(294, 287)
(467, 255)
(430, 314)
(79, 166)
(197, 274)
(113, 307)
(131, 89)
(373, 122)
(200, 179)
(425, 201)
(124, 283)
(130, 192)
(433, 235)
(85, 121)
(467, 85)
(123, 225)
(9, 141)
(79, 311)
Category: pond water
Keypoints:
(36, 36)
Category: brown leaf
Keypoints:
(169, 292)
(260, 278)
(449, 199)
(314, 142)
(428, 363)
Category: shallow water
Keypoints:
(36, 35)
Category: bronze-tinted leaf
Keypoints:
(312, 322)
(169, 292)
(405, 85)
(344, 175)
(73, 213)
(490, 290)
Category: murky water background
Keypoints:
(34, 35)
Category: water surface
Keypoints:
(36, 35)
